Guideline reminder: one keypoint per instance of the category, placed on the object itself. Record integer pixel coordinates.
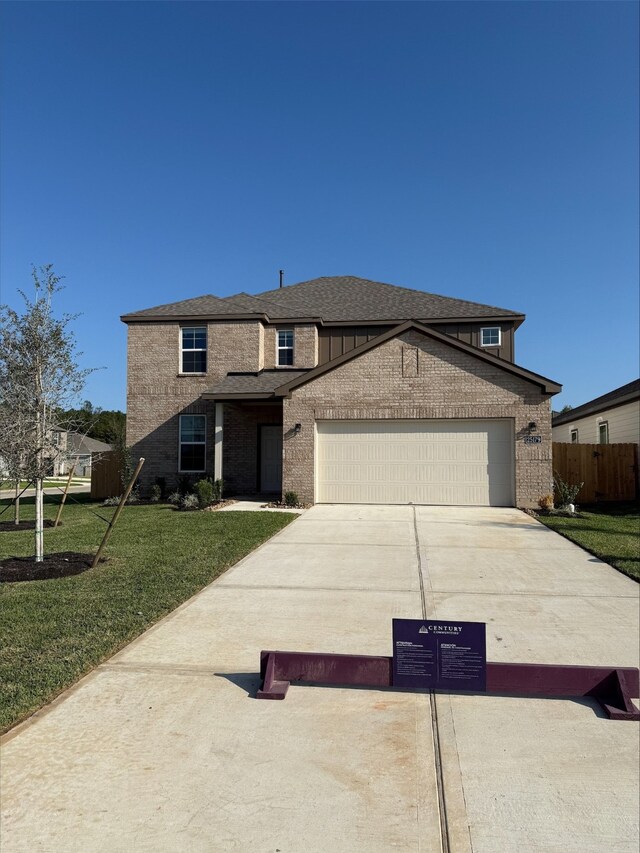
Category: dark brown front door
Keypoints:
(271, 458)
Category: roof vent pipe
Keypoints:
(281, 278)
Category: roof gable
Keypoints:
(548, 386)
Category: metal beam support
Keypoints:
(612, 687)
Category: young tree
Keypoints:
(39, 376)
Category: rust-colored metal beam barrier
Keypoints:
(612, 687)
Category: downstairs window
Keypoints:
(193, 443)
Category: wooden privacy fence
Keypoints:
(609, 471)
(106, 475)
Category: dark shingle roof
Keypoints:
(264, 382)
(348, 298)
(82, 444)
(256, 304)
(205, 306)
(334, 299)
(625, 394)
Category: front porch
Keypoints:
(248, 447)
(248, 432)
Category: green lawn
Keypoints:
(54, 631)
(610, 532)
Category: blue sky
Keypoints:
(487, 151)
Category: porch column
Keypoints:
(217, 442)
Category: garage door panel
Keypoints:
(439, 462)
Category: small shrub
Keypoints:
(175, 498)
(546, 502)
(218, 486)
(565, 493)
(114, 501)
(161, 482)
(190, 501)
(184, 484)
(155, 493)
(204, 492)
(290, 499)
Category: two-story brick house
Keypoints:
(342, 390)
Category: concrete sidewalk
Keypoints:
(84, 488)
(163, 748)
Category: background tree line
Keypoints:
(102, 424)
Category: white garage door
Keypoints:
(464, 463)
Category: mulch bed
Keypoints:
(10, 526)
(215, 507)
(552, 513)
(281, 505)
(13, 569)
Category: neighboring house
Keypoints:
(340, 390)
(78, 454)
(613, 418)
(54, 451)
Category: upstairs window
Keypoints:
(285, 348)
(490, 336)
(193, 442)
(603, 433)
(194, 349)
(574, 436)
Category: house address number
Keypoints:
(532, 439)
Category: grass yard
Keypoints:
(54, 631)
(610, 532)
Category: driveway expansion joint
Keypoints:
(437, 749)
(496, 593)
(165, 669)
(367, 589)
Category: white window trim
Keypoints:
(487, 329)
(285, 349)
(575, 430)
(181, 442)
(604, 424)
(204, 349)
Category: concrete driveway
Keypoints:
(163, 747)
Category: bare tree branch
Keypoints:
(39, 376)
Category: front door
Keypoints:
(271, 458)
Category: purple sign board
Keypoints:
(439, 655)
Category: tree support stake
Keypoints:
(116, 514)
(64, 497)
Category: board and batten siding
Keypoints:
(624, 426)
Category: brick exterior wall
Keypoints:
(447, 384)
(157, 393)
(408, 377)
(305, 345)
